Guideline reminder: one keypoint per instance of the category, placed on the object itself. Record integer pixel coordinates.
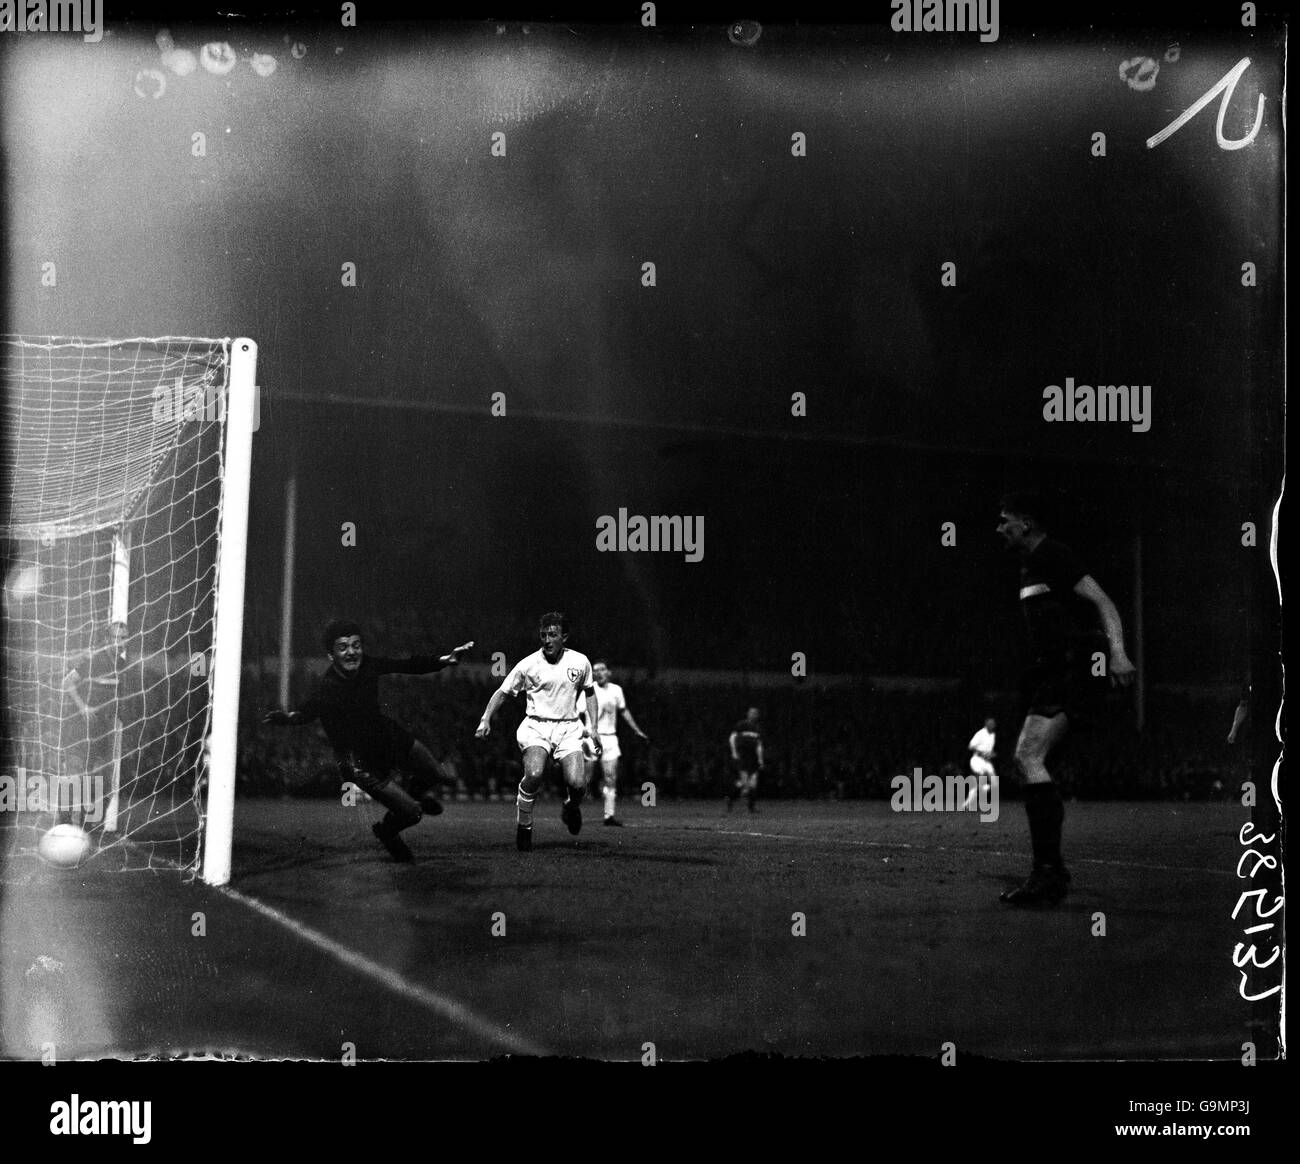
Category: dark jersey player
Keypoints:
(746, 744)
(1055, 590)
(368, 745)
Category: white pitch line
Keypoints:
(954, 849)
(441, 1004)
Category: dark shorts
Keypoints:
(372, 765)
(1052, 687)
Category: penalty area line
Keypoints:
(441, 1004)
(449, 1008)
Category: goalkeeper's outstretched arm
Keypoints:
(420, 664)
(308, 713)
(287, 718)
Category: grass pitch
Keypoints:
(681, 930)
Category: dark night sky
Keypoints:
(775, 274)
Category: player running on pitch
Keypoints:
(982, 749)
(1053, 585)
(367, 745)
(746, 744)
(553, 678)
(611, 702)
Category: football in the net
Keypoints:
(65, 845)
(22, 585)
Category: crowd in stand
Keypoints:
(844, 743)
(840, 742)
(946, 641)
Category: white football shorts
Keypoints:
(560, 738)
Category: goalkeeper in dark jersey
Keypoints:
(1055, 590)
(367, 744)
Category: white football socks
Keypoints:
(524, 808)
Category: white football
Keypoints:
(23, 584)
(64, 845)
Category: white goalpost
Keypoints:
(228, 645)
(120, 612)
(125, 510)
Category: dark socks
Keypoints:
(392, 824)
(1046, 812)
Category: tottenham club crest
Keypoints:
(574, 675)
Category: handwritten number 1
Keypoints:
(1226, 86)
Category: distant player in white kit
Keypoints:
(553, 679)
(982, 749)
(611, 701)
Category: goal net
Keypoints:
(124, 513)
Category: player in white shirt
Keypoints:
(610, 701)
(554, 678)
(982, 745)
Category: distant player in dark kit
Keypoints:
(1054, 588)
(367, 745)
(554, 679)
(746, 743)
